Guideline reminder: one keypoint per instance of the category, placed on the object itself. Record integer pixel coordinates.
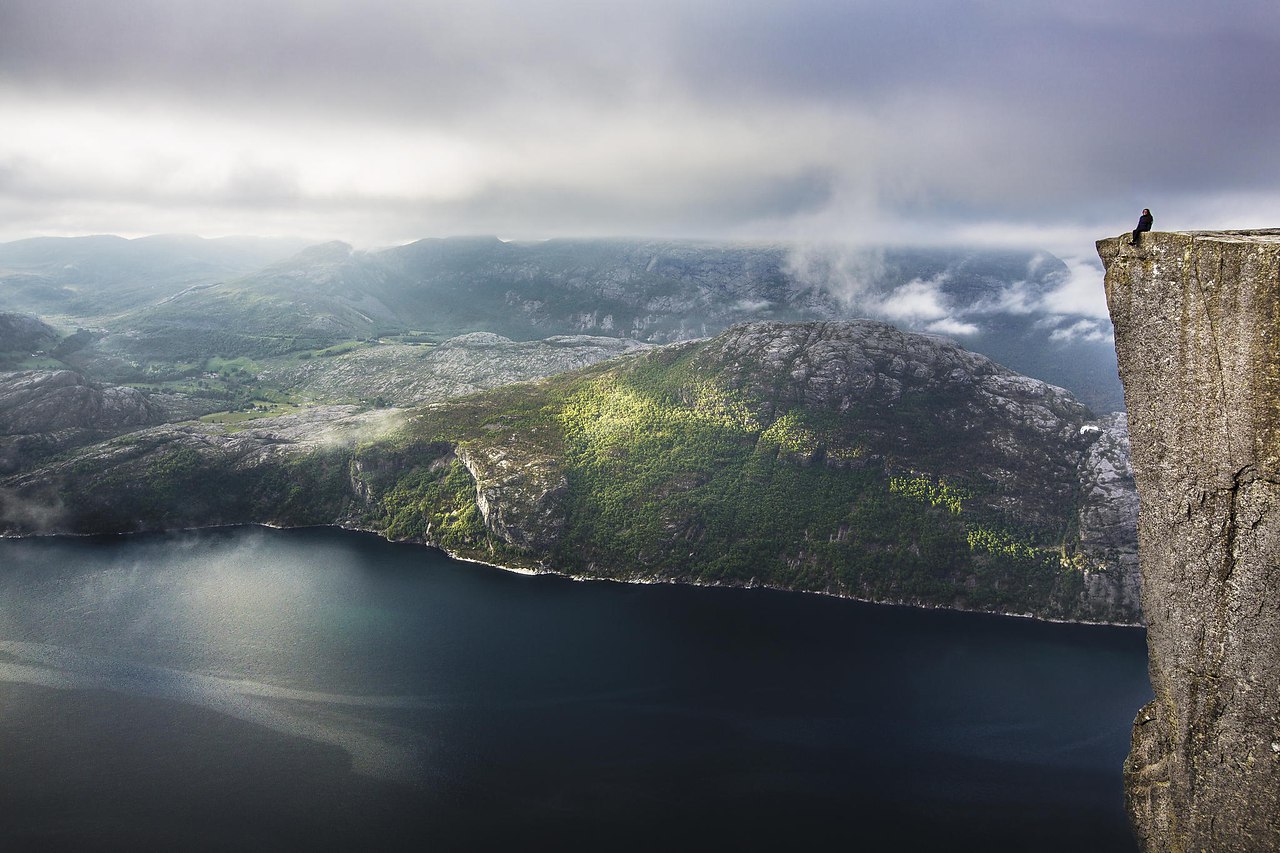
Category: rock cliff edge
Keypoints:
(1197, 330)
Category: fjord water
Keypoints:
(253, 689)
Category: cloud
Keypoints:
(923, 305)
(1080, 291)
(1075, 290)
(1059, 291)
(31, 512)
(844, 271)
(952, 326)
(1019, 297)
(1082, 330)
(393, 119)
(913, 302)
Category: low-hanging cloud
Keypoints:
(921, 304)
(1080, 291)
(1075, 290)
(31, 512)
(953, 327)
(914, 302)
(845, 272)
(1063, 297)
(1092, 331)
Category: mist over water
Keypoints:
(315, 689)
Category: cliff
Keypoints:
(1197, 331)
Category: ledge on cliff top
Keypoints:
(1261, 236)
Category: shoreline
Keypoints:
(521, 570)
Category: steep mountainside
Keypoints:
(848, 458)
(1197, 324)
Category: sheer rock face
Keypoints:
(1108, 514)
(1197, 329)
(519, 492)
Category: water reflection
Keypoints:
(376, 749)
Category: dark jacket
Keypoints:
(1144, 222)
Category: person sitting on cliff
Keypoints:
(1144, 224)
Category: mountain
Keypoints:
(48, 411)
(651, 291)
(45, 412)
(1196, 317)
(849, 458)
(21, 335)
(92, 277)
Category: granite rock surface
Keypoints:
(1197, 329)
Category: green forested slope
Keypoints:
(666, 467)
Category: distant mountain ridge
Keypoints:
(199, 300)
(93, 277)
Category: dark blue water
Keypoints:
(265, 690)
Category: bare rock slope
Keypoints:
(410, 375)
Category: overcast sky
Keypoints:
(1026, 122)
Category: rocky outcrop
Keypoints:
(519, 492)
(412, 374)
(1028, 438)
(879, 402)
(43, 412)
(36, 401)
(1197, 329)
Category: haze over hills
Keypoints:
(185, 303)
(21, 335)
(86, 278)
